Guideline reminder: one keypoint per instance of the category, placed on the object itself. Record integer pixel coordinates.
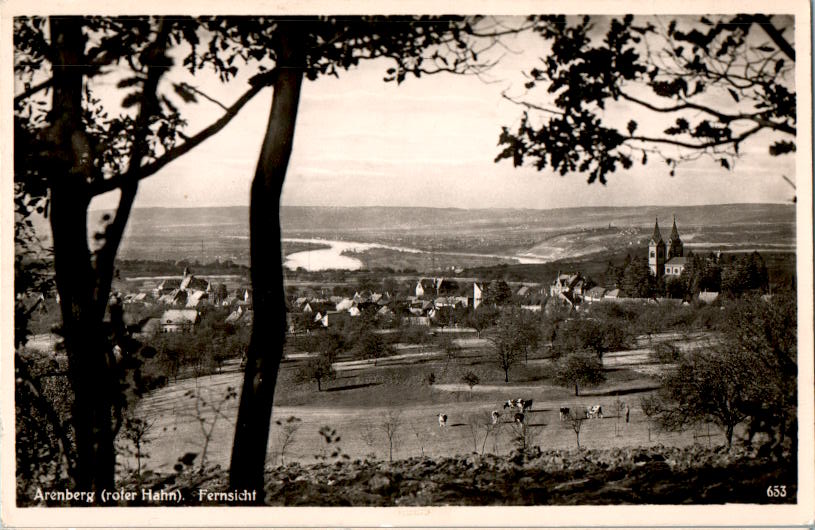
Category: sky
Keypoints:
(431, 142)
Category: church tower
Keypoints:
(656, 252)
(675, 247)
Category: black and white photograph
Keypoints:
(409, 262)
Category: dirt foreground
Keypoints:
(654, 475)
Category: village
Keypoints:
(406, 301)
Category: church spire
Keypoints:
(674, 232)
(657, 237)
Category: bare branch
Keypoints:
(147, 170)
(531, 106)
(33, 90)
(705, 145)
(776, 35)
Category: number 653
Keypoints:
(777, 491)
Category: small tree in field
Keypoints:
(575, 420)
(285, 435)
(480, 424)
(579, 369)
(482, 318)
(470, 379)
(390, 425)
(137, 431)
(713, 385)
(650, 407)
(507, 342)
(317, 369)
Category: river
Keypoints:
(333, 258)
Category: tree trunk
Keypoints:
(576, 391)
(82, 326)
(269, 327)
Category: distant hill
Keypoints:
(395, 218)
(223, 232)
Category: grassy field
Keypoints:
(364, 396)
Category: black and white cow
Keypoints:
(496, 416)
(519, 417)
(521, 404)
(595, 411)
(442, 420)
(564, 413)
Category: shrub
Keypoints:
(665, 352)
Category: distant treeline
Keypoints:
(142, 267)
(781, 267)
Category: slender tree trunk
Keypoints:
(269, 327)
(576, 391)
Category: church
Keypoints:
(666, 258)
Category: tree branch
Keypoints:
(776, 36)
(33, 90)
(532, 106)
(725, 118)
(104, 186)
(713, 143)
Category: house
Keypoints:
(675, 266)
(362, 297)
(614, 293)
(444, 301)
(149, 327)
(334, 318)
(345, 304)
(595, 294)
(197, 298)
(192, 283)
(416, 321)
(167, 286)
(178, 320)
(425, 286)
(299, 302)
(235, 316)
(478, 295)
(569, 284)
(708, 297)
(385, 314)
(568, 287)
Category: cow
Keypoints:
(564, 413)
(521, 404)
(595, 411)
(442, 420)
(519, 417)
(495, 416)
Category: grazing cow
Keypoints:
(519, 417)
(564, 413)
(495, 416)
(442, 420)
(521, 404)
(595, 411)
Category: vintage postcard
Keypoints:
(420, 264)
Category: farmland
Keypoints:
(365, 389)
